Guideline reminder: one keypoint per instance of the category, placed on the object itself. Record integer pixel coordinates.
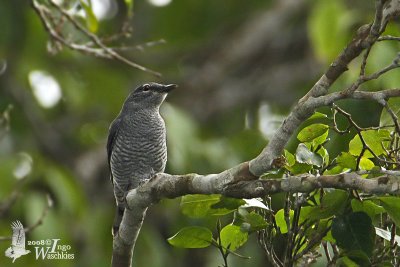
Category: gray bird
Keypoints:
(136, 145)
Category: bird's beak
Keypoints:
(167, 88)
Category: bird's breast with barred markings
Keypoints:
(139, 151)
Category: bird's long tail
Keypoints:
(120, 192)
(119, 213)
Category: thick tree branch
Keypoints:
(238, 183)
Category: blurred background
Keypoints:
(240, 66)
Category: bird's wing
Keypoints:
(112, 136)
(18, 237)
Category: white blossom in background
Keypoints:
(269, 121)
(104, 9)
(45, 87)
(24, 166)
(160, 3)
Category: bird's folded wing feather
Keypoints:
(112, 136)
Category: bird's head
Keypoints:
(148, 95)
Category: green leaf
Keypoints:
(324, 155)
(197, 206)
(273, 174)
(317, 115)
(329, 237)
(332, 203)
(256, 221)
(309, 133)
(346, 262)
(374, 139)
(226, 205)
(320, 140)
(192, 237)
(232, 237)
(304, 155)
(359, 257)
(367, 206)
(304, 213)
(280, 220)
(356, 146)
(299, 168)
(334, 170)
(354, 232)
(392, 206)
(346, 160)
(91, 21)
(321, 228)
(366, 164)
(290, 160)
(249, 222)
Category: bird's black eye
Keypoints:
(146, 88)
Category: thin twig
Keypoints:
(326, 250)
(289, 242)
(102, 51)
(394, 117)
(377, 26)
(140, 47)
(359, 133)
(388, 38)
(219, 244)
(363, 79)
(313, 242)
(364, 61)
